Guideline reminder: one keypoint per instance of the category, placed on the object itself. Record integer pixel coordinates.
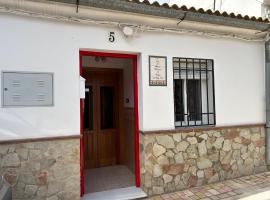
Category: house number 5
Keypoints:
(112, 37)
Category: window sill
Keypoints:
(201, 128)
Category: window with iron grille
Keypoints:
(194, 92)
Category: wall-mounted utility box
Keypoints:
(27, 89)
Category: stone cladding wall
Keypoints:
(180, 160)
(48, 170)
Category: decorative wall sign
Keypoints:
(157, 70)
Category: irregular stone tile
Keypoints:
(227, 145)
(200, 174)
(11, 160)
(11, 177)
(167, 178)
(163, 160)
(236, 145)
(218, 143)
(193, 170)
(42, 177)
(4, 149)
(214, 178)
(255, 137)
(190, 134)
(34, 154)
(149, 163)
(191, 162)
(226, 167)
(157, 171)
(238, 140)
(260, 142)
(186, 168)
(214, 157)
(158, 190)
(243, 149)
(262, 150)
(182, 146)
(148, 148)
(23, 153)
(246, 141)
(30, 190)
(179, 158)
(192, 181)
(208, 173)
(245, 133)
(185, 178)
(148, 180)
(177, 137)
(27, 178)
(203, 136)
(170, 187)
(192, 140)
(54, 187)
(158, 150)
(251, 147)
(227, 158)
(42, 192)
(175, 169)
(202, 148)
(192, 151)
(172, 161)
(165, 141)
(217, 134)
(231, 134)
(204, 163)
(52, 198)
(149, 140)
(177, 179)
(169, 154)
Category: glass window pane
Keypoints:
(88, 108)
(106, 107)
(178, 100)
(194, 100)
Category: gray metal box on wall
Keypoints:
(27, 89)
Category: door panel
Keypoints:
(107, 149)
(102, 128)
(107, 130)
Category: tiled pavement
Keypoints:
(226, 190)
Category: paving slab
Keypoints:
(254, 187)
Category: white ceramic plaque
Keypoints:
(157, 71)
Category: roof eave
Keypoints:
(140, 8)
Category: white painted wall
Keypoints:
(29, 44)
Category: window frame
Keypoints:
(186, 122)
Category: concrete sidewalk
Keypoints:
(255, 187)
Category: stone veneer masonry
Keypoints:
(175, 161)
(42, 170)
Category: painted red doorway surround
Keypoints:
(136, 113)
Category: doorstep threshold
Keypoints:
(116, 194)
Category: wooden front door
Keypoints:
(101, 118)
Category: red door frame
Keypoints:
(136, 112)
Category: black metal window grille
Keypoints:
(194, 92)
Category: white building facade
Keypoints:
(40, 145)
